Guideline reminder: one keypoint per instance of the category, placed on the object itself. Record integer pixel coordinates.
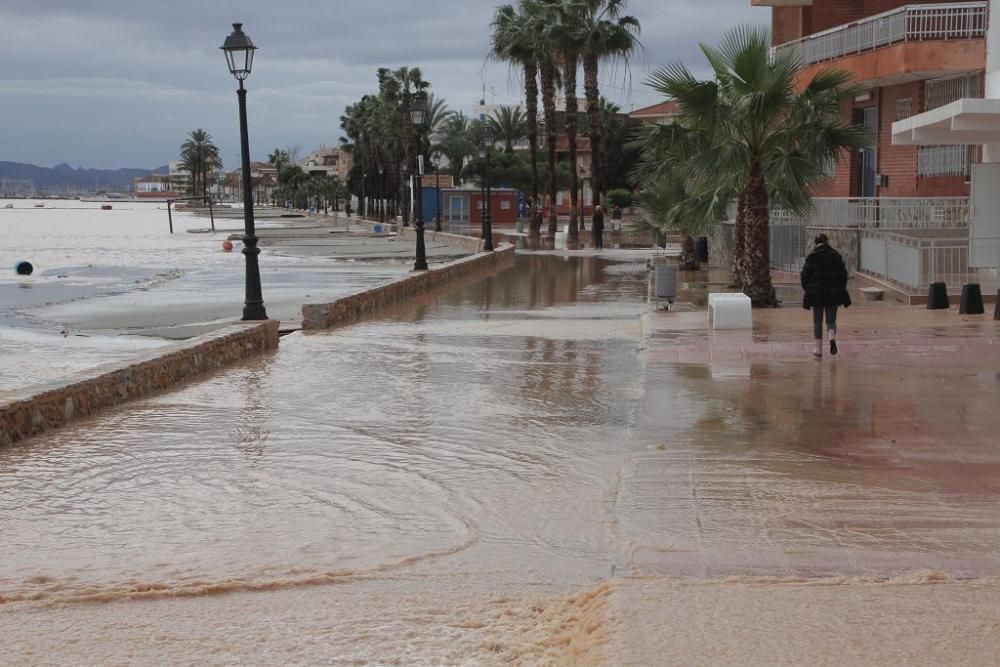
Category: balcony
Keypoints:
(906, 30)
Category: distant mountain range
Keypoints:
(64, 176)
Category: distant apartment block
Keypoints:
(328, 161)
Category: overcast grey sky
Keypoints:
(118, 83)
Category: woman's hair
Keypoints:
(821, 238)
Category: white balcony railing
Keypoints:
(958, 20)
(881, 212)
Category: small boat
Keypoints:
(105, 207)
(9, 206)
(39, 205)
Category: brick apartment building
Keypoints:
(910, 57)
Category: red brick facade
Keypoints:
(896, 167)
(788, 23)
(897, 164)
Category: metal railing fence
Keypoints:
(881, 212)
(959, 20)
(916, 262)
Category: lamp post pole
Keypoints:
(418, 109)
(381, 194)
(437, 194)
(421, 263)
(239, 54)
(364, 177)
(488, 207)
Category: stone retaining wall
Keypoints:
(37, 409)
(470, 243)
(352, 308)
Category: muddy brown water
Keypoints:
(459, 483)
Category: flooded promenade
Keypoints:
(534, 468)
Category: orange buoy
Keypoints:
(227, 246)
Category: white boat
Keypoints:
(9, 206)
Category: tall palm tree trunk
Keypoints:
(569, 89)
(593, 94)
(757, 262)
(739, 240)
(531, 106)
(548, 77)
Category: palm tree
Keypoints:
(279, 158)
(515, 41)
(602, 32)
(509, 126)
(456, 143)
(200, 157)
(562, 34)
(402, 86)
(548, 71)
(756, 139)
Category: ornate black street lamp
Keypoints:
(484, 152)
(436, 161)
(239, 54)
(418, 109)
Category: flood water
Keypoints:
(458, 483)
(103, 278)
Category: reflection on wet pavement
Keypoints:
(534, 433)
(459, 427)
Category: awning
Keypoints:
(965, 121)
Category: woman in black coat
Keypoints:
(597, 227)
(824, 279)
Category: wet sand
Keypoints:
(531, 469)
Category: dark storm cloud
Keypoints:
(119, 83)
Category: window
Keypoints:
(505, 205)
(904, 108)
(938, 92)
(944, 160)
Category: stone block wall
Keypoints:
(470, 243)
(721, 244)
(37, 409)
(352, 308)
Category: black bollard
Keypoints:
(24, 268)
(972, 300)
(937, 297)
(996, 308)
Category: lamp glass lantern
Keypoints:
(418, 110)
(239, 50)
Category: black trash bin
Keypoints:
(972, 300)
(937, 297)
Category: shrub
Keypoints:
(620, 197)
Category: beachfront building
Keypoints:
(328, 161)
(661, 113)
(900, 211)
(157, 186)
(263, 180)
(462, 207)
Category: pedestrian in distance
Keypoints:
(824, 282)
(597, 227)
(347, 209)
